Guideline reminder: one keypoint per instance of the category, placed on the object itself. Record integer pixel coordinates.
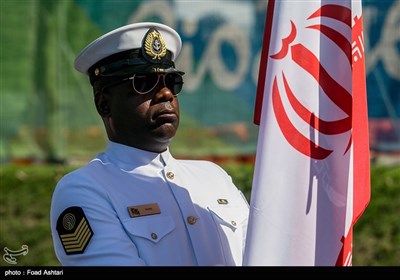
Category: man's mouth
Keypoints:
(165, 116)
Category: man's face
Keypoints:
(145, 121)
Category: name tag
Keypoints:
(144, 210)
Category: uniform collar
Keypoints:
(127, 157)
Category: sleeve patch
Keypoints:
(74, 230)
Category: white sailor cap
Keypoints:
(134, 48)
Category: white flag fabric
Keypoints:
(311, 180)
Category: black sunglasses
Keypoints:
(144, 83)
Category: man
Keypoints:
(135, 204)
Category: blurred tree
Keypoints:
(48, 127)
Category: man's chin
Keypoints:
(165, 132)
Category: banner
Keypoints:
(311, 178)
(49, 114)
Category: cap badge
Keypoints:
(154, 44)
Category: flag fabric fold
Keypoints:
(311, 180)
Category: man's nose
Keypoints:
(163, 93)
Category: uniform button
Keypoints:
(191, 220)
(170, 175)
(154, 235)
(233, 223)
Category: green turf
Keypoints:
(26, 194)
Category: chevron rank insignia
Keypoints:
(74, 230)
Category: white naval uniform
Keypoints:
(193, 226)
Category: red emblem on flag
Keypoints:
(336, 92)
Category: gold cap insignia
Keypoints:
(154, 44)
(74, 230)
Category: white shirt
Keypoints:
(134, 207)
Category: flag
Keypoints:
(311, 178)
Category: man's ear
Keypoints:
(102, 102)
